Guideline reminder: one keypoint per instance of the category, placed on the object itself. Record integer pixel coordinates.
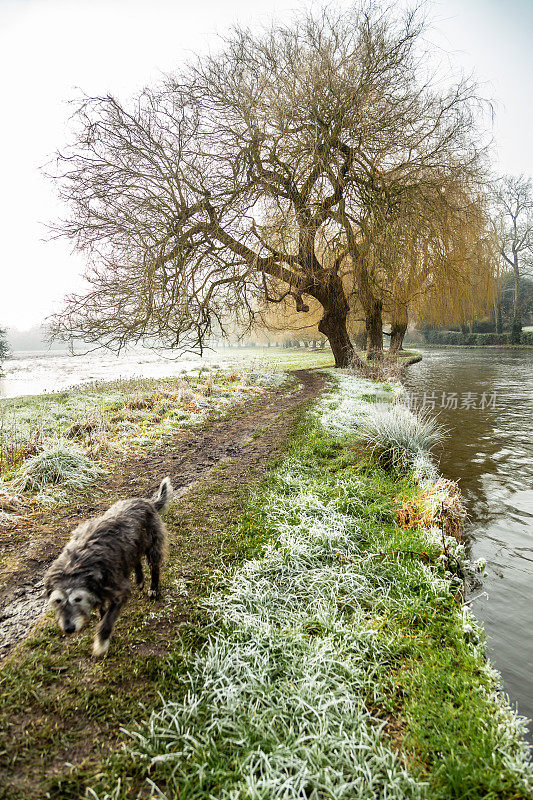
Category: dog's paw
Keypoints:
(100, 647)
(153, 594)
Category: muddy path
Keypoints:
(36, 541)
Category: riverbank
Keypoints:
(311, 640)
(437, 346)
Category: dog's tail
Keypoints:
(163, 497)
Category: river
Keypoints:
(489, 450)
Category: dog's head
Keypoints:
(72, 604)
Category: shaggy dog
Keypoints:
(94, 568)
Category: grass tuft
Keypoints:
(399, 437)
(60, 465)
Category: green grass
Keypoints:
(58, 702)
(321, 651)
(339, 664)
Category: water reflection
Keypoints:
(489, 451)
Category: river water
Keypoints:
(489, 450)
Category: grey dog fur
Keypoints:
(94, 567)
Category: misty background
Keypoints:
(52, 51)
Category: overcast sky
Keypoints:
(49, 48)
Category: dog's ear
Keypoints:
(94, 579)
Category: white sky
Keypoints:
(48, 48)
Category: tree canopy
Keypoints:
(280, 169)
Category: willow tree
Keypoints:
(316, 126)
(437, 260)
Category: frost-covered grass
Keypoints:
(59, 466)
(340, 408)
(109, 421)
(338, 663)
(399, 437)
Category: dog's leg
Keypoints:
(155, 553)
(105, 629)
(153, 592)
(139, 576)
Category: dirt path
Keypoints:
(34, 543)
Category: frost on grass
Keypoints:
(274, 705)
(268, 379)
(279, 704)
(103, 422)
(60, 465)
(122, 416)
(398, 437)
(339, 410)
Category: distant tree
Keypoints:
(256, 175)
(513, 201)
(507, 299)
(4, 346)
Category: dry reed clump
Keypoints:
(139, 402)
(6, 520)
(88, 427)
(10, 501)
(184, 396)
(386, 370)
(33, 446)
(207, 389)
(13, 452)
(439, 503)
(100, 446)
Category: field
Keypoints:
(312, 641)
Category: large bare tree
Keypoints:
(513, 199)
(258, 174)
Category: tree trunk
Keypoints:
(330, 294)
(398, 329)
(374, 329)
(516, 329)
(373, 310)
(333, 325)
(361, 340)
(397, 333)
(499, 320)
